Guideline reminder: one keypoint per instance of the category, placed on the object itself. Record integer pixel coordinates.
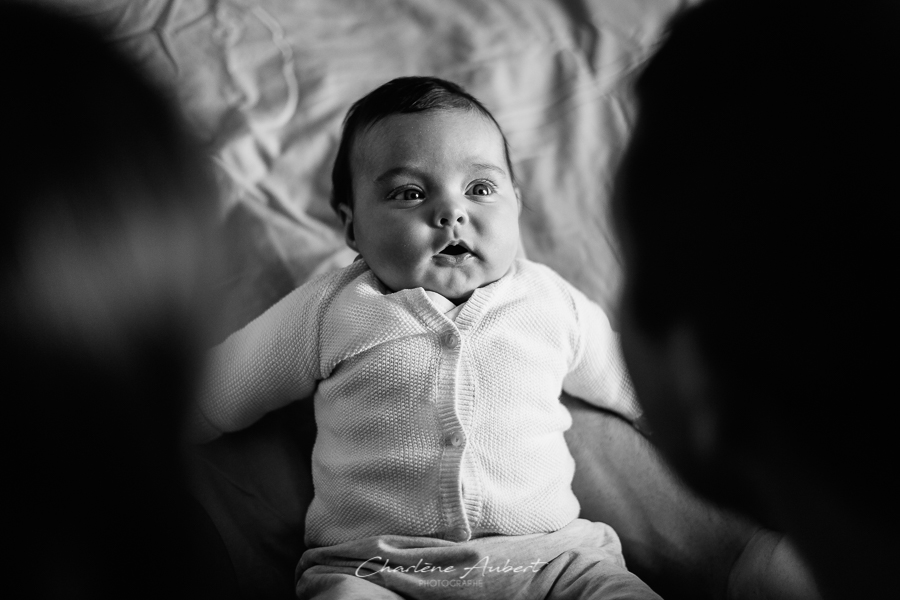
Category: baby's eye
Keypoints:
(408, 194)
(480, 189)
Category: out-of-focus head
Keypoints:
(753, 205)
(425, 188)
(105, 255)
(108, 199)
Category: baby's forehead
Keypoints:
(402, 136)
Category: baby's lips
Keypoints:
(456, 249)
(469, 249)
(453, 260)
(460, 243)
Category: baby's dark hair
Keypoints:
(400, 96)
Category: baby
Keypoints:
(437, 360)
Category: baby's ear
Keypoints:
(347, 217)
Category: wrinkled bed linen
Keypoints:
(267, 84)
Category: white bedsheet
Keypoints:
(267, 83)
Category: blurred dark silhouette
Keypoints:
(753, 204)
(106, 257)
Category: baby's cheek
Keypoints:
(400, 252)
(406, 245)
(506, 240)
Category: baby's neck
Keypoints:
(446, 306)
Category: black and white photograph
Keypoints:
(449, 299)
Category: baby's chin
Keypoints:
(457, 293)
(454, 293)
(455, 297)
(457, 287)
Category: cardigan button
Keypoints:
(456, 439)
(450, 340)
(458, 534)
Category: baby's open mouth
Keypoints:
(454, 250)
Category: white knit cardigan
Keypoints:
(426, 426)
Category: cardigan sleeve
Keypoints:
(598, 374)
(262, 367)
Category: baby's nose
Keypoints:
(451, 213)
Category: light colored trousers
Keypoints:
(583, 560)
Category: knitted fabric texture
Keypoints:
(426, 426)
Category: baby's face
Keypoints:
(434, 205)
